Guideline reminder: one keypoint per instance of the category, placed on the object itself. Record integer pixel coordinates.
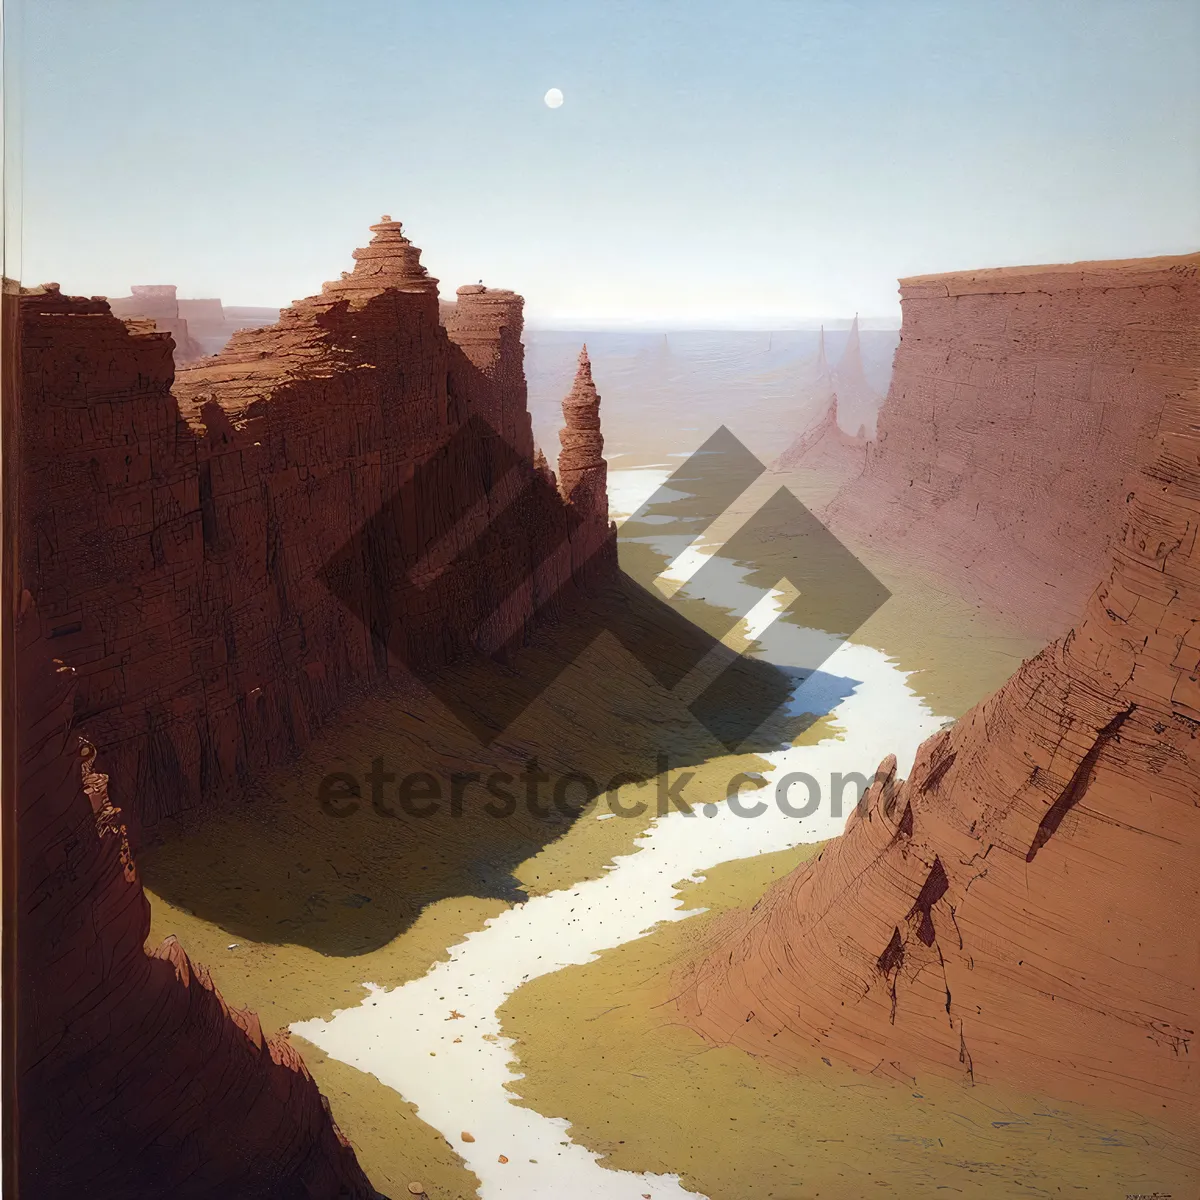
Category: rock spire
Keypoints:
(582, 471)
(390, 260)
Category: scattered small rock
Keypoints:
(503, 1158)
(467, 1137)
(417, 1189)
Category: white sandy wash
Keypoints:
(455, 1070)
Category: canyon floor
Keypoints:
(363, 933)
(601, 1046)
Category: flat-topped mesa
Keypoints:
(486, 325)
(1013, 911)
(1018, 398)
(156, 299)
(582, 471)
(158, 302)
(390, 260)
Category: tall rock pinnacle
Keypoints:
(582, 471)
(389, 261)
(850, 365)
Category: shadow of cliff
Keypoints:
(329, 854)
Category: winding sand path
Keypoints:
(455, 1070)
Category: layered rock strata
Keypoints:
(1017, 401)
(178, 529)
(582, 471)
(1022, 908)
(135, 1079)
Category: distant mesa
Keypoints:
(198, 327)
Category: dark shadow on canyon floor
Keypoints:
(279, 867)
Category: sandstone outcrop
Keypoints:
(135, 1080)
(180, 529)
(1023, 907)
(1017, 400)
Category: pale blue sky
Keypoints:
(754, 163)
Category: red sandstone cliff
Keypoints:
(177, 525)
(1017, 400)
(1023, 908)
(178, 532)
(136, 1080)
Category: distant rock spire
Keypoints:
(860, 401)
(822, 360)
(582, 471)
(850, 365)
(390, 260)
(542, 466)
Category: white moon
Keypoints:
(553, 98)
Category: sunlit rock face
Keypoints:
(1019, 909)
(177, 531)
(1018, 401)
(179, 523)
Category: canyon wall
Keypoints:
(135, 1079)
(227, 554)
(221, 559)
(1018, 398)
(1023, 907)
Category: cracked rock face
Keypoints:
(174, 531)
(177, 523)
(1018, 399)
(135, 1078)
(1021, 909)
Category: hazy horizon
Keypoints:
(709, 167)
